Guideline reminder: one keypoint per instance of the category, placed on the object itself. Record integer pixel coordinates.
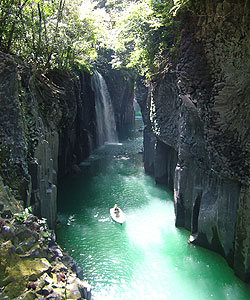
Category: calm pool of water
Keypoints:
(147, 258)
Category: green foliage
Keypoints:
(22, 217)
(47, 33)
(133, 30)
(144, 34)
(46, 234)
(140, 34)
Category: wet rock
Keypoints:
(76, 169)
(67, 260)
(55, 295)
(33, 225)
(120, 85)
(79, 272)
(7, 233)
(72, 291)
(31, 285)
(192, 238)
(28, 244)
(19, 250)
(30, 269)
(45, 291)
(2, 223)
(7, 254)
(57, 251)
(25, 233)
(86, 291)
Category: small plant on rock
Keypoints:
(22, 217)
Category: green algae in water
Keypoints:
(147, 257)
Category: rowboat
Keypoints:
(119, 218)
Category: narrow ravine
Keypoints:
(146, 258)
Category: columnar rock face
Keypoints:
(77, 127)
(142, 94)
(13, 145)
(37, 112)
(200, 115)
(47, 125)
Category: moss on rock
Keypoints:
(32, 265)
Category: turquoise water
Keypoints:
(147, 258)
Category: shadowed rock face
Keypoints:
(142, 93)
(46, 122)
(199, 115)
(13, 145)
(77, 128)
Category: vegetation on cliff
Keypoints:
(66, 33)
(137, 34)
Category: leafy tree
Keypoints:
(47, 33)
(139, 34)
(142, 34)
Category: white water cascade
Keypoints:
(106, 126)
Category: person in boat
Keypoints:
(116, 210)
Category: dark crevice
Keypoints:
(195, 214)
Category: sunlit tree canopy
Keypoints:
(64, 33)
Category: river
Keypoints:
(147, 258)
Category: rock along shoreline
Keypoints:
(32, 264)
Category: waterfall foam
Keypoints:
(106, 126)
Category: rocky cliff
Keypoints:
(47, 127)
(197, 129)
(46, 121)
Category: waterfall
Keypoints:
(106, 126)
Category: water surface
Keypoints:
(147, 258)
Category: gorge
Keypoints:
(196, 113)
(48, 127)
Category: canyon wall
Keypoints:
(196, 137)
(48, 126)
(46, 122)
(38, 112)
